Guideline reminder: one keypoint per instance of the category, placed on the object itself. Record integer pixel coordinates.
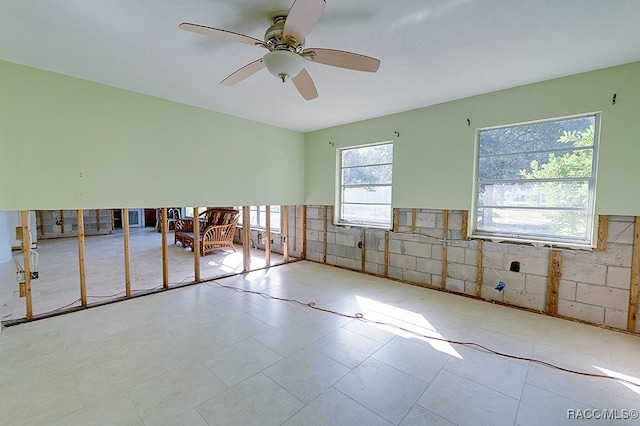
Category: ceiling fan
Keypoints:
(284, 40)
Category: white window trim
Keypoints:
(592, 222)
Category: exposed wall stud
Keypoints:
(363, 250)
(445, 233)
(41, 215)
(553, 281)
(635, 278)
(81, 259)
(127, 252)
(324, 233)
(267, 239)
(165, 248)
(396, 219)
(603, 232)
(303, 232)
(26, 256)
(479, 270)
(386, 253)
(98, 220)
(196, 243)
(285, 232)
(62, 221)
(246, 238)
(465, 225)
(414, 216)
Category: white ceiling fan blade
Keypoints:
(302, 17)
(218, 33)
(305, 86)
(244, 72)
(342, 59)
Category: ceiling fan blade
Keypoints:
(244, 72)
(223, 34)
(302, 17)
(305, 86)
(339, 58)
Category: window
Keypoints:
(536, 181)
(364, 196)
(258, 216)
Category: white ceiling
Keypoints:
(431, 51)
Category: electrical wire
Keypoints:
(360, 317)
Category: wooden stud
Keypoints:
(267, 240)
(165, 247)
(363, 251)
(113, 220)
(98, 220)
(445, 234)
(603, 232)
(324, 234)
(26, 255)
(41, 215)
(285, 232)
(196, 244)
(246, 238)
(62, 221)
(635, 278)
(479, 270)
(127, 252)
(81, 259)
(303, 232)
(386, 253)
(553, 281)
(396, 220)
(414, 217)
(464, 233)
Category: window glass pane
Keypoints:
(569, 224)
(369, 214)
(540, 194)
(574, 163)
(367, 195)
(533, 136)
(375, 154)
(367, 174)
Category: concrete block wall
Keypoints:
(594, 285)
(50, 222)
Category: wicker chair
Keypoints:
(217, 229)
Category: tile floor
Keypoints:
(208, 355)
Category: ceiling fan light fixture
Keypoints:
(283, 63)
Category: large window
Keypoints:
(258, 216)
(536, 181)
(364, 196)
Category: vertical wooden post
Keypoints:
(284, 211)
(414, 217)
(303, 232)
(363, 252)
(324, 234)
(465, 225)
(445, 234)
(81, 260)
(267, 241)
(113, 220)
(386, 253)
(165, 247)
(98, 220)
(196, 244)
(553, 281)
(635, 278)
(246, 238)
(603, 232)
(127, 252)
(41, 215)
(396, 219)
(479, 271)
(26, 255)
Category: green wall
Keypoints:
(434, 152)
(67, 143)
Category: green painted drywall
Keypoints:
(67, 143)
(434, 152)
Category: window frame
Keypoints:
(339, 203)
(276, 226)
(590, 236)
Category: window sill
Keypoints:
(533, 242)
